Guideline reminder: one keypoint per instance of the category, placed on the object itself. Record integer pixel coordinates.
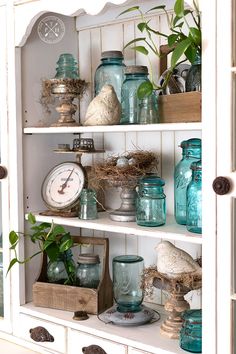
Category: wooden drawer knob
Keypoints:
(93, 349)
(221, 185)
(40, 334)
(3, 172)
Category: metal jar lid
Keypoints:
(136, 69)
(112, 54)
(88, 258)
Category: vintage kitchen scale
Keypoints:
(63, 184)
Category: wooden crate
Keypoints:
(180, 107)
(73, 298)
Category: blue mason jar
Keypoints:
(88, 270)
(127, 275)
(150, 202)
(193, 79)
(191, 331)
(191, 151)
(131, 105)
(62, 271)
(110, 71)
(194, 199)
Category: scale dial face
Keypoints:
(62, 186)
(51, 29)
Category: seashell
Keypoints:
(40, 334)
(104, 109)
(122, 161)
(93, 349)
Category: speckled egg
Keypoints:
(122, 161)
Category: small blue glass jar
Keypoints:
(67, 67)
(135, 75)
(191, 151)
(194, 199)
(127, 273)
(191, 331)
(88, 270)
(110, 71)
(150, 203)
(62, 271)
(88, 204)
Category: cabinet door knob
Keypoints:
(221, 185)
(3, 172)
(93, 349)
(40, 334)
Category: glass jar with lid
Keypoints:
(191, 331)
(88, 270)
(191, 151)
(194, 199)
(110, 71)
(151, 203)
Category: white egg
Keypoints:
(132, 161)
(122, 161)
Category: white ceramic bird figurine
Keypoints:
(173, 261)
(104, 109)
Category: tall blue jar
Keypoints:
(135, 75)
(191, 151)
(110, 71)
(191, 331)
(193, 79)
(150, 202)
(194, 199)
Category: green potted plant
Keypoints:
(52, 239)
(181, 42)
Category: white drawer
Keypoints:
(27, 322)
(77, 340)
(136, 351)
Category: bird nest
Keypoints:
(140, 163)
(184, 282)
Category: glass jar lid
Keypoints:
(194, 142)
(88, 258)
(128, 259)
(152, 180)
(194, 316)
(196, 165)
(136, 69)
(112, 54)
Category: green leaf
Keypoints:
(142, 26)
(179, 8)
(13, 261)
(195, 35)
(31, 219)
(179, 51)
(134, 41)
(134, 8)
(42, 226)
(52, 252)
(172, 39)
(145, 89)
(141, 49)
(161, 7)
(58, 230)
(64, 246)
(13, 238)
(191, 53)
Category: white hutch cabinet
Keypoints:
(28, 141)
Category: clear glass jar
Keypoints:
(191, 331)
(62, 271)
(110, 71)
(150, 203)
(193, 79)
(194, 199)
(88, 205)
(127, 272)
(88, 270)
(148, 110)
(182, 176)
(67, 67)
(130, 103)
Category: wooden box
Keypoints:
(73, 298)
(180, 107)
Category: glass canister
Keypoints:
(88, 204)
(151, 201)
(148, 110)
(194, 199)
(88, 270)
(67, 67)
(127, 276)
(193, 79)
(191, 331)
(135, 75)
(191, 151)
(110, 71)
(62, 271)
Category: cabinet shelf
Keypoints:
(170, 230)
(115, 128)
(146, 337)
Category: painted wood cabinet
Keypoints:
(90, 28)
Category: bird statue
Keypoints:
(104, 109)
(173, 261)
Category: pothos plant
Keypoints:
(181, 42)
(52, 239)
